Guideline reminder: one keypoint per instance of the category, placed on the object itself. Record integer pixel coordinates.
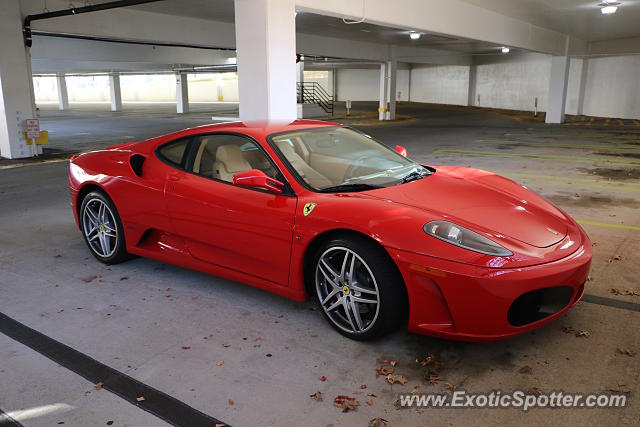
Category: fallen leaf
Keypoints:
(323, 378)
(231, 402)
(396, 379)
(220, 425)
(124, 278)
(450, 386)
(346, 403)
(363, 386)
(317, 396)
(378, 422)
(140, 399)
(370, 401)
(432, 377)
(220, 362)
(526, 369)
(393, 363)
(625, 351)
(383, 370)
(98, 386)
(416, 390)
(226, 345)
(186, 347)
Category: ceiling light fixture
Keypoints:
(505, 49)
(609, 7)
(414, 35)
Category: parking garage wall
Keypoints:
(440, 84)
(364, 84)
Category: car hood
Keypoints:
(484, 202)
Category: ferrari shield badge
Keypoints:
(308, 208)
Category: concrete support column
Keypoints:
(473, 75)
(583, 84)
(182, 93)
(392, 74)
(300, 78)
(558, 87)
(266, 45)
(382, 109)
(63, 96)
(16, 84)
(334, 78)
(116, 93)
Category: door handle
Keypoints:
(173, 177)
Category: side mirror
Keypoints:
(257, 179)
(401, 150)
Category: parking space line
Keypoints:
(609, 225)
(610, 302)
(7, 421)
(163, 406)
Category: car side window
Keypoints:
(220, 156)
(175, 152)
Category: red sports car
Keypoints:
(318, 208)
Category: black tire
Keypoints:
(119, 251)
(393, 302)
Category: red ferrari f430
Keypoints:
(315, 208)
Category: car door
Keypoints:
(243, 229)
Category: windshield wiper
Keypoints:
(350, 187)
(413, 176)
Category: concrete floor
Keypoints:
(139, 317)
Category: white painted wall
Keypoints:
(440, 84)
(613, 87)
(513, 81)
(364, 84)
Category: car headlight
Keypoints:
(464, 238)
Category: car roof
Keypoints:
(265, 127)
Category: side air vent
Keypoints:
(136, 161)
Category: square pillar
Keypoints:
(557, 89)
(392, 73)
(583, 84)
(473, 75)
(382, 109)
(300, 79)
(63, 96)
(16, 84)
(182, 93)
(116, 94)
(266, 52)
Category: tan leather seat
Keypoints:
(229, 161)
(310, 175)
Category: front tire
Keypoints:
(102, 228)
(359, 289)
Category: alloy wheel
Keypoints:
(347, 290)
(99, 227)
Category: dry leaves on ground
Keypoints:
(431, 360)
(526, 369)
(140, 399)
(317, 396)
(575, 332)
(625, 292)
(99, 386)
(397, 379)
(378, 422)
(220, 362)
(626, 352)
(383, 370)
(346, 403)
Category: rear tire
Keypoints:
(102, 228)
(360, 291)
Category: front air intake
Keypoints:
(536, 305)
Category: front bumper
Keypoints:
(464, 302)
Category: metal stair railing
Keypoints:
(314, 93)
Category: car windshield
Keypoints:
(337, 158)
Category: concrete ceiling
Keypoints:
(309, 23)
(581, 18)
